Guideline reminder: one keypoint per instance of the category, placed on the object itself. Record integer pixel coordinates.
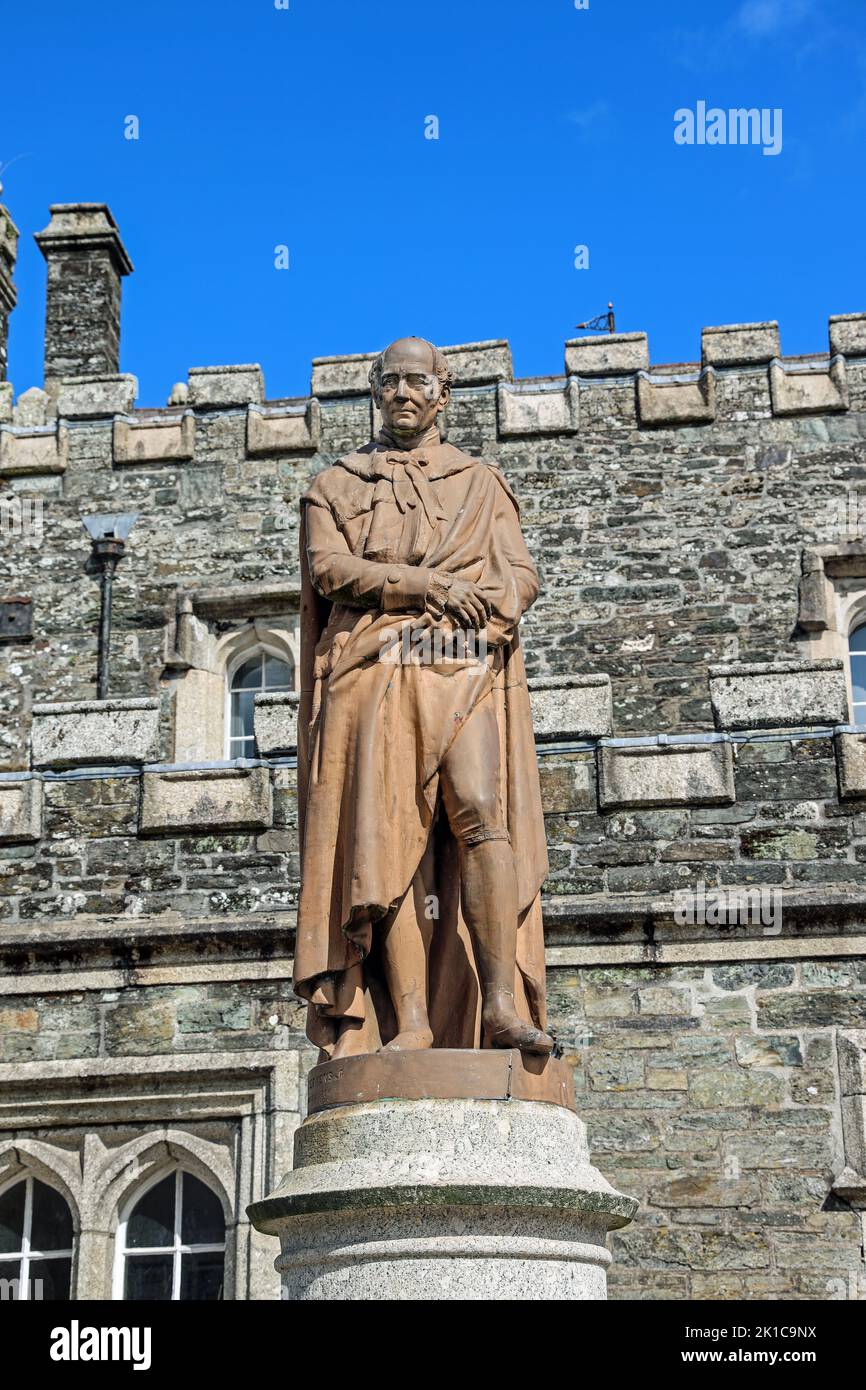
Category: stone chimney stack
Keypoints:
(8, 253)
(86, 259)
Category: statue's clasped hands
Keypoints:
(464, 600)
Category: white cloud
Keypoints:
(590, 116)
(764, 18)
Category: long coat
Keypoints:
(372, 734)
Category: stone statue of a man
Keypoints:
(423, 848)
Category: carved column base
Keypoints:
(442, 1197)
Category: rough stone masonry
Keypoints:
(700, 529)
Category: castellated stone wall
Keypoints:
(699, 532)
(664, 547)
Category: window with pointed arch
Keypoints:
(857, 655)
(36, 1242)
(171, 1244)
(254, 674)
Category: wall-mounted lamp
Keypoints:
(108, 539)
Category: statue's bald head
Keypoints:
(411, 385)
(417, 352)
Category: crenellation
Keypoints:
(226, 799)
(33, 409)
(216, 387)
(801, 390)
(740, 344)
(684, 400)
(792, 694)
(153, 440)
(551, 409)
(611, 354)
(95, 397)
(75, 733)
(848, 335)
(37, 450)
(20, 811)
(571, 707)
(276, 724)
(655, 775)
(276, 431)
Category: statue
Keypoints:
(422, 835)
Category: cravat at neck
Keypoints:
(411, 483)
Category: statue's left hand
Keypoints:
(466, 601)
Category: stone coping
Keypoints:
(777, 668)
(95, 706)
(576, 682)
(612, 1207)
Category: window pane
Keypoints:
(56, 1276)
(12, 1218)
(148, 1278)
(202, 1221)
(278, 674)
(858, 677)
(9, 1270)
(242, 714)
(857, 641)
(152, 1222)
(201, 1277)
(52, 1219)
(249, 675)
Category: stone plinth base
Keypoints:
(443, 1198)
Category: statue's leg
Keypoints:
(405, 955)
(350, 1039)
(469, 779)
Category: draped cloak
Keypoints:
(372, 734)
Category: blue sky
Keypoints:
(262, 127)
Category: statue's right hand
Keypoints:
(466, 601)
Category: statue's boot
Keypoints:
(488, 885)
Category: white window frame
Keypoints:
(261, 650)
(857, 622)
(177, 1249)
(26, 1254)
(846, 611)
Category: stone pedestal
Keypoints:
(437, 1175)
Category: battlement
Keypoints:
(99, 840)
(608, 380)
(570, 714)
(609, 383)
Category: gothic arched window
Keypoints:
(172, 1243)
(857, 650)
(36, 1238)
(254, 675)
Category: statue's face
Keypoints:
(411, 394)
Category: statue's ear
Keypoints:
(444, 397)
